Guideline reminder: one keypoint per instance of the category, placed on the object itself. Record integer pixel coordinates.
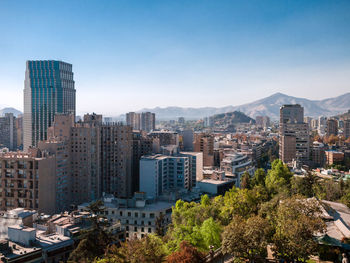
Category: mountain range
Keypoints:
(10, 110)
(268, 106)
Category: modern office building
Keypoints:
(205, 143)
(148, 121)
(48, 90)
(8, 132)
(133, 119)
(332, 127)
(293, 134)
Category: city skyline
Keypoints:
(129, 56)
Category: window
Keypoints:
(149, 230)
(129, 213)
(142, 229)
(151, 215)
(121, 213)
(136, 214)
(135, 228)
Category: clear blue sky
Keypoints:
(128, 55)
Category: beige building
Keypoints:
(205, 143)
(334, 157)
(293, 134)
(100, 156)
(31, 181)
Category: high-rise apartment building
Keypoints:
(31, 181)
(48, 90)
(8, 132)
(347, 129)
(332, 127)
(293, 134)
(148, 121)
(100, 156)
(322, 125)
(116, 160)
(133, 119)
(205, 143)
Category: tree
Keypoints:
(247, 239)
(211, 233)
(245, 181)
(297, 221)
(278, 178)
(186, 254)
(94, 240)
(259, 177)
(304, 185)
(149, 249)
(160, 225)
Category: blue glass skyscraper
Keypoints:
(48, 90)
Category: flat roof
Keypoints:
(216, 182)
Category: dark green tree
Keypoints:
(93, 241)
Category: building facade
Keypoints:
(31, 181)
(346, 129)
(8, 132)
(148, 121)
(293, 134)
(133, 119)
(48, 90)
(205, 143)
(332, 127)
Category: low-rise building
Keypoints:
(138, 216)
(235, 165)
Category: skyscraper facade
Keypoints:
(48, 90)
(293, 134)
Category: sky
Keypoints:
(134, 54)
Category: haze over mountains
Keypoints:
(267, 106)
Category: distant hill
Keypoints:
(10, 110)
(230, 118)
(267, 106)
